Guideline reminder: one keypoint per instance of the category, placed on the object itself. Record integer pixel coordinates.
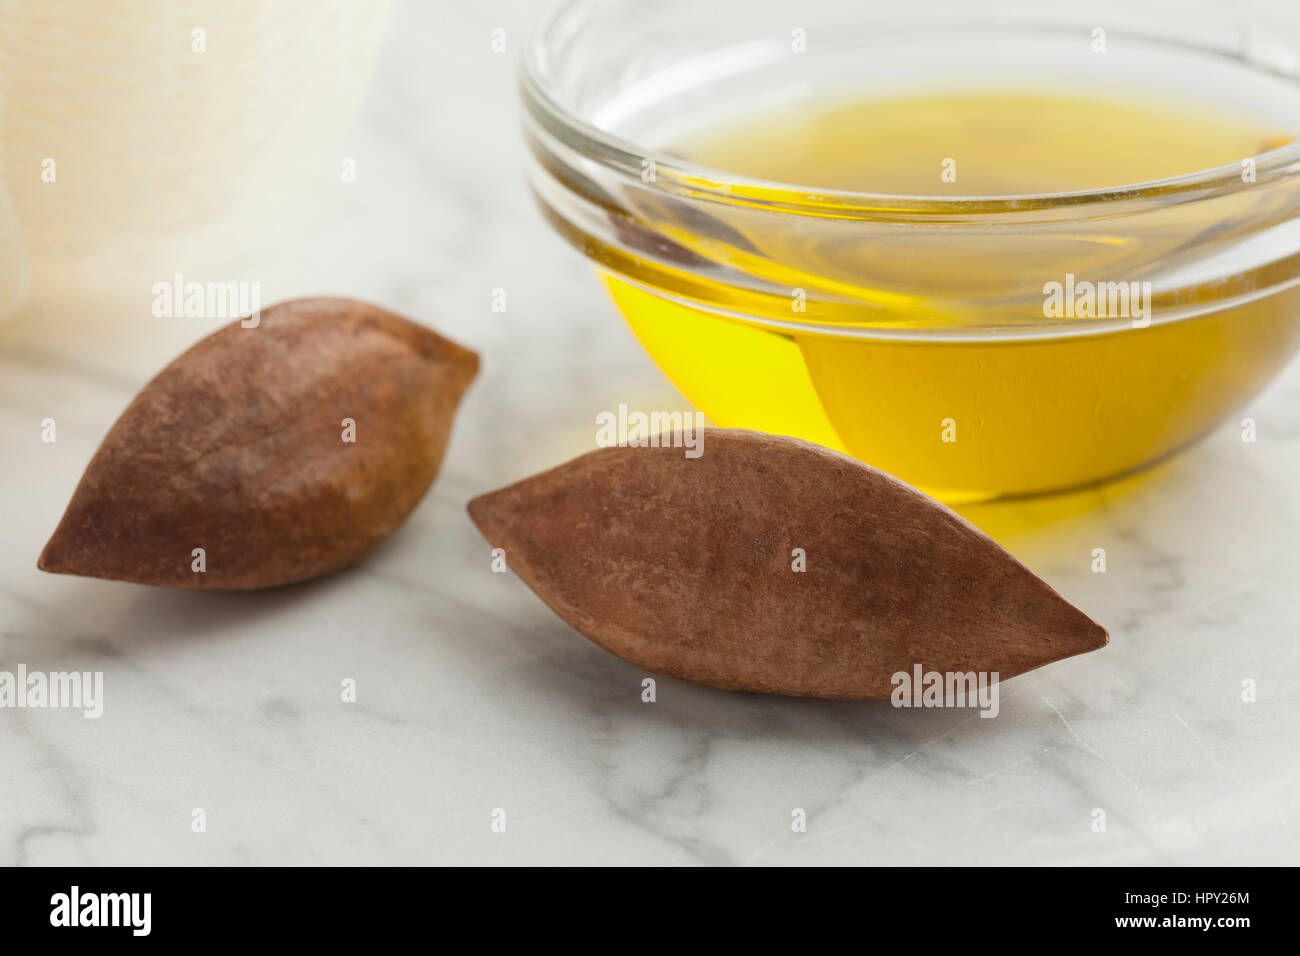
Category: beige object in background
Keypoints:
(169, 127)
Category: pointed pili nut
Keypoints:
(684, 567)
(237, 447)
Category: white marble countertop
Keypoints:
(473, 696)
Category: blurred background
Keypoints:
(333, 147)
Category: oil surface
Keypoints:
(1001, 144)
(975, 417)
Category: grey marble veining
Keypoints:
(472, 696)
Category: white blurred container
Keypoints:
(173, 126)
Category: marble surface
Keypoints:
(472, 696)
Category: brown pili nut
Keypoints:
(238, 448)
(685, 567)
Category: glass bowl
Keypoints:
(912, 331)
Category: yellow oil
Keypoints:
(973, 417)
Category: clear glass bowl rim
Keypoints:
(704, 183)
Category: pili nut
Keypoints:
(684, 567)
(238, 447)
